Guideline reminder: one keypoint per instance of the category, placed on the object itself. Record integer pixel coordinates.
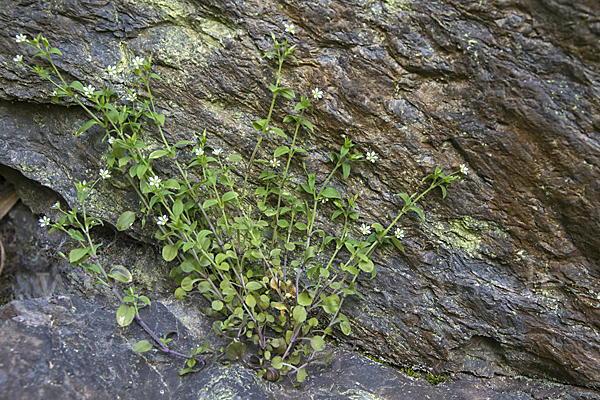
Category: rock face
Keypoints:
(70, 348)
(503, 278)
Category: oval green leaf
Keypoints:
(125, 220)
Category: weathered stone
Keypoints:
(81, 353)
(503, 276)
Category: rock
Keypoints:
(83, 354)
(502, 279)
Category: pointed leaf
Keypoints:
(120, 273)
(142, 346)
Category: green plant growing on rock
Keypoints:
(242, 233)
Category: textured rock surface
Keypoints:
(504, 276)
(68, 348)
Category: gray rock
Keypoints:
(503, 278)
(81, 353)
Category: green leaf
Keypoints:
(125, 220)
(345, 327)
(317, 343)
(404, 197)
(304, 299)
(253, 285)
(160, 118)
(217, 305)
(279, 132)
(172, 184)
(235, 351)
(418, 211)
(308, 125)
(180, 293)
(299, 314)
(250, 301)
(366, 265)
(258, 125)
(177, 207)
(346, 169)
(397, 244)
(169, 252)
(187, 266)
(290, 246)
(142, 346)
(209, 203)
(120, 273)
(234, 158)
(281, 150)
(277, 362)
(229, 196)
(125, 315)
(157, 154)
(77, 86)
(287, 93)
(78, 254)
(54, 50)
(330, 193)
(86, 126)
(301, 375)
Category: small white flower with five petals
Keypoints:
(154, 181)
(56, 206)
(53, 94)
(162, 220)
(324, 200)
(217, 152)
(317, 94)
(372, 156)
(131, 97)
(18, 58)
(112, 70)
(88, 91)
(464, 169)
(365, 229)
(275, 163)
(138, 62)
(20, 38)
(399, 233)
(104, 174)
(111, 140)
(289, 28)
(44, 221)
(198, 152)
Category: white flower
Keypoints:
(399, 233)
(18, 58)
(289, 28)
(464, 169)
(317, 94)
(324, 200)
(88, 90)
(365, 229)
(56, 205)
(138, 62)
(274, 163)
(198, 152)
(44, 221)
(154, 181)
(112, 70)
(111, 140)
(216, 152)
(20, 38)
(131, 97)
(372, 156)
(162, 220)
(104, 174)
(53, 93)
